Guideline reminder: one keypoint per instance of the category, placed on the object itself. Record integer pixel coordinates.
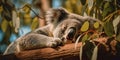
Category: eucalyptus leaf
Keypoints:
(26, 8)
(96, 25)
(109, 29)
(85, 37)
(10, 23)
(34, 23)
(108, 8)
(95, 53)
(116, 21)
(4, 25)
(14, 17)
(27, 19)
(85, 26)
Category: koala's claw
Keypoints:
(59, 41)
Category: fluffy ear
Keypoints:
(56, 15)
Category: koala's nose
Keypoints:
(71, 33)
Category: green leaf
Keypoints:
(26, 8)
(85, 37)
(95, 53)
(4, 25)
(108, 8)
(10, 23)
(34, 23)
(14, 17)
(109, 29)
(106, 5)
(27, 19)
(116, 21)
(85, 26)
(96, 25)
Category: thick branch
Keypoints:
(65, 52)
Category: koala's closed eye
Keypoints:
(71, 33)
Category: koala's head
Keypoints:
(65, 25)
(67, 30)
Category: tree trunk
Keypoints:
(61, 53)
(45, 5)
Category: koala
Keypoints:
(61, 27)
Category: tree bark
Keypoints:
(61, 53)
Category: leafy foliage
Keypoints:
(108, 12)
(12, 19)
(6, 8)
(108, 29)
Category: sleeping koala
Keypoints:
(61, 26)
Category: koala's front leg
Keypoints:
(36, 41)
(54, 42)
(59, 33)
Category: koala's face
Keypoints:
(72, 30)
(65, 25)
(67, 30)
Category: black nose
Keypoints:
(71, 33)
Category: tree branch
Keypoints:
(65, 52)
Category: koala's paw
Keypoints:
(58, 41)
(55, 43)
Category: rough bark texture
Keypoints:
(67, 52)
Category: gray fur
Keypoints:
(53, 34)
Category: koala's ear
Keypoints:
(63, 10)
(57, 14)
